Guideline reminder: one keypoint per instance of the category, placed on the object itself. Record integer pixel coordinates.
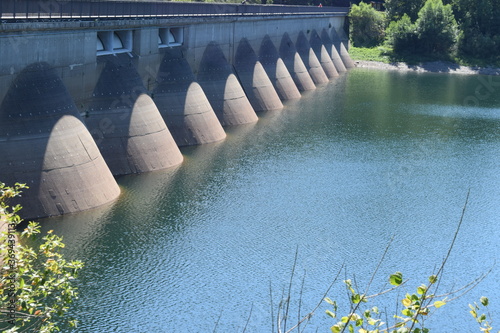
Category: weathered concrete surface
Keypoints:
(223, 89)
(183, 104)
(125, 122)
(341, 49)
(295, 65)
(322, 55)
(332, 51)
(254, 79)
(44, 144)
(310, 60)
(277, 71)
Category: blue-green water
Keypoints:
(208, 246)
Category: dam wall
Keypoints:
(83, 100)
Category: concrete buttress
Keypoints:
(310, 60)
(44, 144)
(295, 65)
(332, 50)
(277, 71)
(341, 49)
(125, 122)
(223, 89)
(322, 55)
(254, 79)
(183, 104)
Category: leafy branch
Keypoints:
(36, 284)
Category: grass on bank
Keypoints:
(385, 55)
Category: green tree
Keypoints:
(367, 25)
(436, 28)
(396, 9)
(480, 27)
(402, 35)
(36, 284)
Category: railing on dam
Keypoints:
(94, 9)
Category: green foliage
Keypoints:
(397, 8)
(480, 27)
(482, 318)
(367, 25)
(434, 32)
(377, 53)
(436, 28)
(402, 35)
(367, 318)
(36, 285)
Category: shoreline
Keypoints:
(430, 67)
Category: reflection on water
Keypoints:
(337, 173)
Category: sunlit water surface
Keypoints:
(210, 246)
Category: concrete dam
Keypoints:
(87, 94)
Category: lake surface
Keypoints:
(210, 245)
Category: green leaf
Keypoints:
(335, 329)
(359, 322)
(329, 301)
(356, 298)
(396, 279)
(406, 302)
(407, 312)
(433, 278)
(422, 289)
(439, 304)
(330, 313)
(484, 301)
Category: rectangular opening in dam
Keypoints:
(112, 42)
(171, 36)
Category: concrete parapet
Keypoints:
(125, 122)
(44, 144)
(183, 104)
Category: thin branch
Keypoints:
(387, 290)
(217, 322)
(290, 288)
(441, 268)
(248, 319)
(300, 298)
(454, 237)
(311, 313)
(369, 284)
(468, 287)
(272, 305)
(280, 308)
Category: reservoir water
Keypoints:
(209, 246)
